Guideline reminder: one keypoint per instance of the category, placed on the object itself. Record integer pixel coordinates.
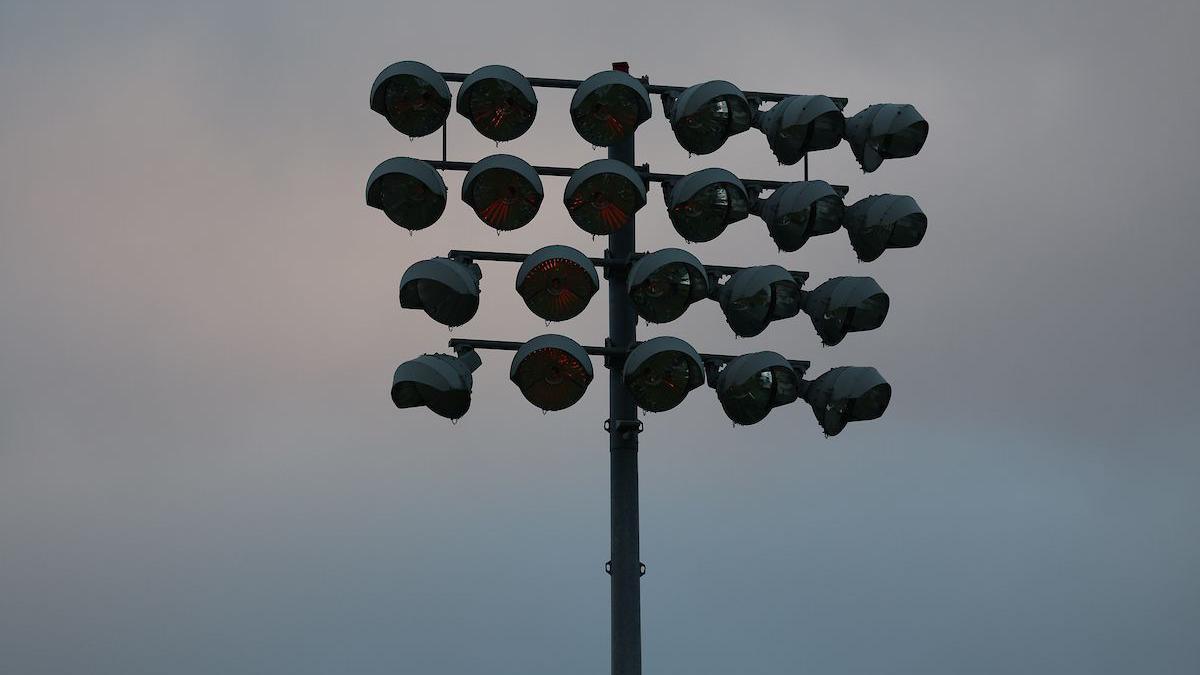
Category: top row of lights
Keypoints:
(608, 106)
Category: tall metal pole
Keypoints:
(625, 566)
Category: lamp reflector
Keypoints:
(886, 131)
(846, 305)
(663, 284)
(751, 385)
(413, 97)
(661, 371)
(504, 191)
(756, 296)
(608, 106)
(410, 192)
(705, 115)
(440, 382)
(552, 371)
(798, 211)
(603, 195)
(847, 394)
(885, 221)
(703, 203)
(446, 289)
(557, 282)
(498, 101)
(798, 125)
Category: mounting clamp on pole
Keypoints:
(641, 568)
(610, 262)
(624, 428)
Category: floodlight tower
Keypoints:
(602, 197)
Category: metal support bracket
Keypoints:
(614, 357)
(712, 369)
(754, 199)
(641, 568)
(625, 428)
(714, 283)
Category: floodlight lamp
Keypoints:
(798, 125)
(504, 191)
(663, 284)
(847, 394)
(756, 296)
(556, 282)
(846, 305)
(603, 195)
(885, 131)
(440, 382)
(661, 371)
(552, 371)
(448, 290)
(751, 385)
(498, 101)
(703, 203)
(704, 116)
(798, 211)
(410, 192)
(880, 222)
(413, 97)
(608, 106)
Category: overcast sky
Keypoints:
(201, 471)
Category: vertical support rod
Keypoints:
(623, 449)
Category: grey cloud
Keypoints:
(200, 470)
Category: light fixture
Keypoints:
(886, 131)
(661, 371)
(498, 101)
(413, 97)
(603, 194)
(798, 125)
(704, 116)
(440, 382)
(556, 282)
(880, 222)
(410, 192)
(703, 203)
(663, 284)
(751, 385)
(756, 296)
(845, 305)
(608, 106)
(448, 290)
(504, 191)
(847, 394)
(798, 211)
(552, 371)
